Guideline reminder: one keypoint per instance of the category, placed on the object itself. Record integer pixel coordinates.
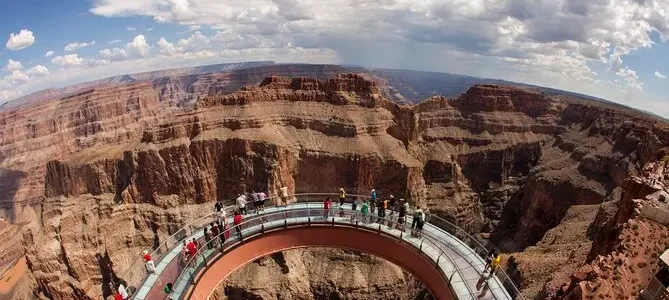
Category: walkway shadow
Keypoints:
(482, 285)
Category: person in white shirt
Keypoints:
(121, 290)
(241, 203)
(284, 195)
(222, 216)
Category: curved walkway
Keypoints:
(321, 235)
(456, 254)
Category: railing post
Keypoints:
(285, 223)
(333, 221)
(379, 230)
(420, 248)
(262, 228)
(401, 233)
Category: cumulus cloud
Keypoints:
(137, 48)
(74, 46)
(113, 54)
(165, 47)
(48, 54)
(554, 43)
(17, 74)
(38, 70)
(66, 61)
(12, 66)
(660, 75)
(21, 40)
(73, 61)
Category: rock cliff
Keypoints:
(149, 156)
(320, 273)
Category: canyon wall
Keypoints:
(320, 273)
(147, 157)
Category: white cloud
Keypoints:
(17, 76)
(73, 61)
(196, 42)
(114, 54)
(660, 75)
(74, 46)
(48, 54)
(149, 29)
(12, 66)
(38, 70)
(137, 48)
(67, 61)
(554, 43)
(114, 41)
(129, 28)
(166, 48)
(22, 40)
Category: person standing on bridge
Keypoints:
(241, 203)
(416, 224)
(218, 207)
(122, 290)
(391, 204)
(256, 201)
(342, 196)
(214, 234)
(364, 211)
(488, 260)
(284, 195)
(207, 237)
(404, 208)
(184, 254)
(381, 212)
(192, 249)
(238, 223)
(150, 266)
(262, 197)
(326, 207)
(495, 264)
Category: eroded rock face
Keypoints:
(320, 273)
(137, 156)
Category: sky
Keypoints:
(613, 49)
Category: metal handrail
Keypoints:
(204, 247)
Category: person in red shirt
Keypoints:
(150, 266)
(238, 223)
(326, 206)
(192, 248)
(117, 296)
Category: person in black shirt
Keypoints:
(218, 206)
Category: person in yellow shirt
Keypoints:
(495, 264)
(342, 197)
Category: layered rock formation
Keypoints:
(149, 156)
(320, 273)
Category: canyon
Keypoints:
(90, 179)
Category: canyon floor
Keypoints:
(561, 185)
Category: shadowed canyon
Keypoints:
(90, 178)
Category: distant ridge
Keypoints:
(55, 93)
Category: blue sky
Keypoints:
(607, 48)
